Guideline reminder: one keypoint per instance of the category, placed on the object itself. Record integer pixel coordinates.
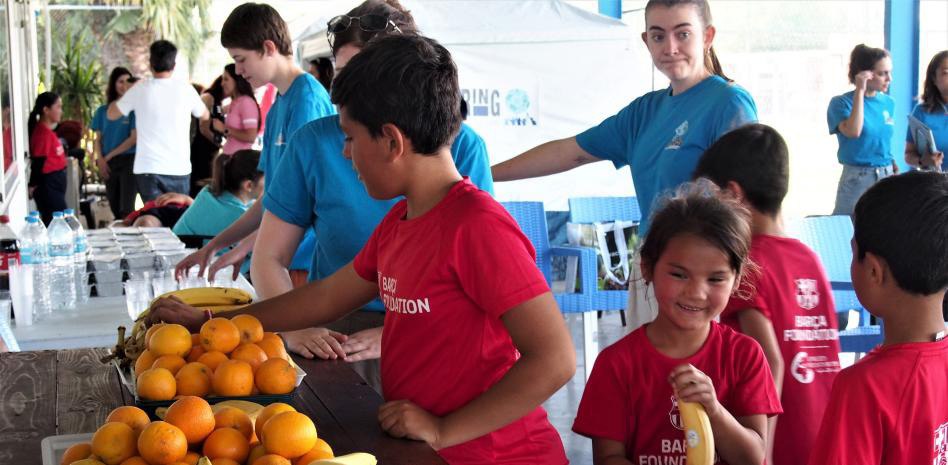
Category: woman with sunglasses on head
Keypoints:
(115, 147)
(863, 121)
(242, 120)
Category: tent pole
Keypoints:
(611, 8)
(901, 39)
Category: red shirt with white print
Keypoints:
(889, 408)
(446, 279)
(628, 398)
(44, 143)
(792, 291)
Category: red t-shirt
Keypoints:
(446, 278)
(628, 397)
(792, 291)
(44, 143)
(890, 408)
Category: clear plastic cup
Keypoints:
(21, 292)
(138, 296)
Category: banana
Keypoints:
(211, 296)
(358, 458)
(250, 408)
(204, 461)
(699, 438)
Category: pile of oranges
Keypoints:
(229, 358)
(279, 436)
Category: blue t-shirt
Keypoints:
(318, 188)
(210, 214)
(938, 123)
(873, 146)
(113, 132)
(662, 136)
(305, 101)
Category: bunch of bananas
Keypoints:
(215, 299)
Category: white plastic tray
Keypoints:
(53, 447)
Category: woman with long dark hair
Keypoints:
(933, 111)
(115, 146)
(242, 123)
(47, 184)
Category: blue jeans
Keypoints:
(151, 186)
(853, 182)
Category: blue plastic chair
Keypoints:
(532, 220)
(586, 210)
(829, 237)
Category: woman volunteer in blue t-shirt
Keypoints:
(933, 111)
(661, 134)
(115, 147)
(862, 120)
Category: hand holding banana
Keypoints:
(696, 397)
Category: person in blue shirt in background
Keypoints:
(115, 147)
(863, 122)
(319, 189)
(662, 134)
(933, 111)
(258, 39)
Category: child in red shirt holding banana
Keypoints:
(890, 407)
(473, 341)
(694, 254)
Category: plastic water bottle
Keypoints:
(81, 255)
(62, 256)
(34, 255)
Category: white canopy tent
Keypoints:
(532, 71)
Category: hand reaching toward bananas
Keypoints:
(319, 342)
(691, 385)
(174, 310)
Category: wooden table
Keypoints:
(50, 393)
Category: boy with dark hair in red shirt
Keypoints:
(787, 306)
(473, 341)
(890, 407)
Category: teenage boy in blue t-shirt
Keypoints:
(259, 41)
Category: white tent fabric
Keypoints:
(532, 71)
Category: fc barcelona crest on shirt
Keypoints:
(808, 297)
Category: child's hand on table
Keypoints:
(691, 385)
(364, 345)
(319, 342)
(404, 419)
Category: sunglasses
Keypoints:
(368, 23)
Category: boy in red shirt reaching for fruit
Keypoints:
(890, 407)
(473, 341)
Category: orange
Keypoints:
(113, 442)
(134, 417)
(268, 412)
(289, 434)
(250, 328)
(172, 363)
(273, 346)
(227, 443)
(162, 443)
(219, 334)
(89, 461)
(193, 379)
(144, 362)
(250, 353)
(320, 451)
(193, 415)
(256, 452)
(275, 377)
(136, 460)
(150, 333)
(196, 349)
(156, 384)
(233, 378)
(230, 417)
(223, 461)
(271, 459)
(191, 458)
(212, 359)
(171, 340)
(76, 452)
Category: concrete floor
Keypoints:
(561, 408)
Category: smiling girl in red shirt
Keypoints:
(47, 157)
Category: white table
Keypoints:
(94, 324)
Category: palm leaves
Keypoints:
(184, 22)
(77, 78)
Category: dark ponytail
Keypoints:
(711, 62)
(44, 100)
(230, 171)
